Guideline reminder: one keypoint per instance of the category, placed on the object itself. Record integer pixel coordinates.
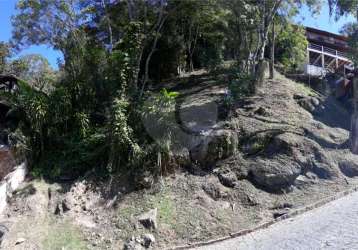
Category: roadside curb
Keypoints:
(269, 223)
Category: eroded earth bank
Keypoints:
(274, 152)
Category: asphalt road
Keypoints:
(332, 226)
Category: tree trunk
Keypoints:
(191, 64)
(109, 26)
(269, 13)
(272, 61)
(130, 9)
(261, 66)
(191, 47)
(160, 22)
(146, 70)
(354, 118)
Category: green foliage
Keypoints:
(160, 104)
(124, 148)
(59, 140)
(339, 8)
(4, 54)
(166, 97)
(36, 70)
(73, 156)
(211, 55)
(192, 37)
(291, 46)
(159, 118)
(124, 60)
(61, 236)
(92, 112)
(39, 22)
(158, 114)
(351, 31)
(240, 86)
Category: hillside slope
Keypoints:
(279, 150)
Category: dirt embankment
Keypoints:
(7, 161)
(276, 151)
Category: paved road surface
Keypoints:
(332, 226)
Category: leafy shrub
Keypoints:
(210, 56)
(161, 103)
(291, 46)
(124, 148)
(158, 116)
(73, 156)
(240, 86)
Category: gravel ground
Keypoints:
(332, 226)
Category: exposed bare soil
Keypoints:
(7, 161)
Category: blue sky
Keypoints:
(322, 21)
(7, 8)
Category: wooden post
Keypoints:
(354, 119)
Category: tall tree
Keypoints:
(197, 20)
(47, 22)
(250, 25)
(343, 7)
(291, 45)
(267, 12)
(36, 70)
(4, 54)
(268, 9)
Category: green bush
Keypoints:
(291, 46)
(240, 86)
(158, 116)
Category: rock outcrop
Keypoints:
(149, 219)
(275, 175)
(218, 145)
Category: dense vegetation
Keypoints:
(89, 113)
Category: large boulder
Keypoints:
(255, 144)
(273, 143)
(149, 219)
(144, 179)
(326, 136)
(140, 243)
(148, 240)
(214, 190)
(134, 243)
(274, 175)
(285, 143)
(228, 179)
(308, 103)
(220, 144)
(306, 153)
(349, 167)
(322, 164)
